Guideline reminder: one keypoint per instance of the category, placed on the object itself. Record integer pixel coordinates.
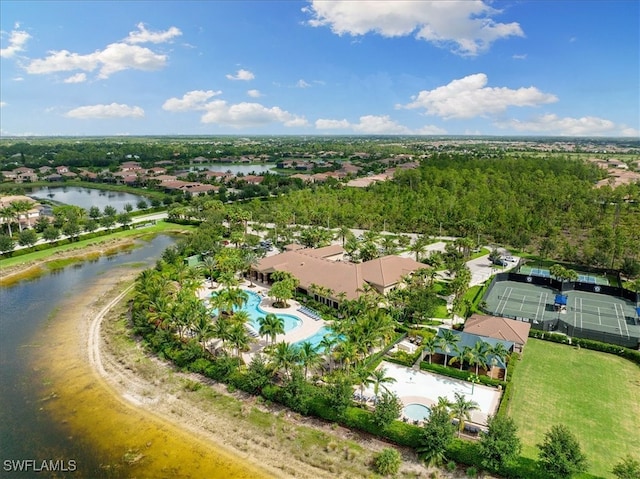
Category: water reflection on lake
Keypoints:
(87, 197)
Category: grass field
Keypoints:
(149, 231)
(594, 394)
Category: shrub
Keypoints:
(456, 373)
(387, 462)
(472, 472)
(451, 466)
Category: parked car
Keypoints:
(500, 262)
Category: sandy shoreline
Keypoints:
(230, 433)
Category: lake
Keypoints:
(87, 197)
(52, 407)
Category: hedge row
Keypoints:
(627, 353)
(457, 374)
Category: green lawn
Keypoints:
(158, 228)
(596, 395)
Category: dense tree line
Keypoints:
(548, 206)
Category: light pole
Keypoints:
(473, 379)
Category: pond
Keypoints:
(87, 197)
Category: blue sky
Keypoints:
(527, 67)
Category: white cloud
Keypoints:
(241, 75)
(193, 100)
(248, 114)
(113, 58)
(3, 104)
(254, 93)
(469, 97)
(324, 124)
(465, 25)
(519, 57)
(145, 36)
(17, 41)
(379, 124)
(302, 84)
(553, 125)
(376, 125)
(114, 110)
(77, 78)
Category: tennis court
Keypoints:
(585, 311)
(582, 277)
(601, 313)
(521, 300)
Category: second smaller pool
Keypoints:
(417, 412)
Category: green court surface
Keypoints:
(582, 277)
(596, 312)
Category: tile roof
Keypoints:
(311, 266)
(498, 328)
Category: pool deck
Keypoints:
(424, 388)
(307, 328)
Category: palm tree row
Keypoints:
(481, 354)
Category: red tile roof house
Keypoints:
(130, 166)
(496, 327)
(196, 189)
(324, 267)
(252, 179)
(156, 170)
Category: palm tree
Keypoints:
(379, 378)
(209, 265)
(461, 410)
(308, 357)
(204, 330)
(363, 378)
(429, 346)
(498, 352)
(478, 354)
(239, 338)
(271, 325)
(418, 247)
(222, 330)
(240, 317)
(446, 341)
(22, 207)
(284, 356)
(249, 260)
(344, 233)
(327, 344)
(347, 353)
(9, 214)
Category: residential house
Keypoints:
(252, 179)
(25, 218)
(133, 166)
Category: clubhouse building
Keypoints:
(325, 273)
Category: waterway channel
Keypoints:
(52, 407)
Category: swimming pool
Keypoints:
(252, 307)
(317, 338)
(416, 412)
